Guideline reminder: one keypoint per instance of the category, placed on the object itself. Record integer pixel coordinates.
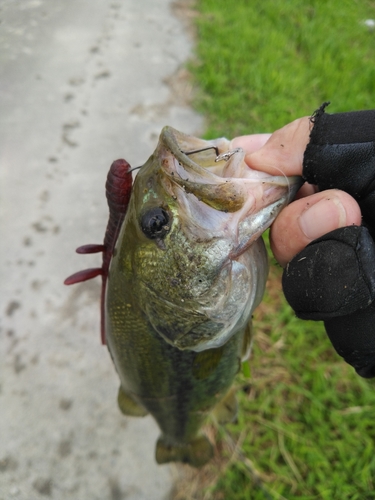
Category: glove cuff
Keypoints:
(355, 127)
(341, 154)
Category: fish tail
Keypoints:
(196, 453)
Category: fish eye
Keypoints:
(155, 223)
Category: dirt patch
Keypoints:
(185, 11)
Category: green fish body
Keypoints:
(187, 271)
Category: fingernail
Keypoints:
(325, 216)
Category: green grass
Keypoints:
(264, 63)
(306, 428)
(307, 418)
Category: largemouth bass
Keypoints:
(188, 268)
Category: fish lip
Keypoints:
(177, 144)
(225, 185)
(171, 139)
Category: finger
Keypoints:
(249, 143)
(284, 150)
(308, 218)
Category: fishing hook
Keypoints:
(219, 157)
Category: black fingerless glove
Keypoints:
(333, 278)
(341, 155)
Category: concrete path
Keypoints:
(82, 82)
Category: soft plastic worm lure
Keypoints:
(118, 189)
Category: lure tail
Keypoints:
(196, 453)
(118, 190)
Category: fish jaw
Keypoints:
(224, 199)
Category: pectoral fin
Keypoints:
(129, 406)
(196, 453)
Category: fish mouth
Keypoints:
(217, 193)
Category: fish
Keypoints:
(185, 270)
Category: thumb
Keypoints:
(309, 218)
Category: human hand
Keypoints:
(313, 214)
(333, 278)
